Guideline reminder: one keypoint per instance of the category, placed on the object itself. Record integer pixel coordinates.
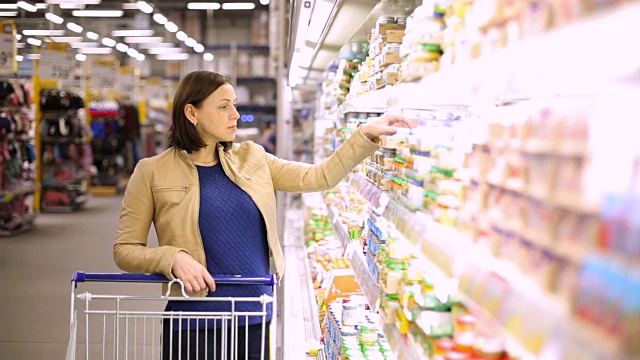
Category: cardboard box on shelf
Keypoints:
(259, 65)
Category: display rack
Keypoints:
(17, 165)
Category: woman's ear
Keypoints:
(191, 113)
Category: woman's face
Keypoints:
(217, 116)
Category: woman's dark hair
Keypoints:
(193, 89)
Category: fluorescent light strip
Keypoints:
(32, 56)
(140, 57)
(169, 50)
(8, 13)
(321, 12)
(198, 48)
(93, 36)
(132, 52)
(9, 6)
(54, 18)
(190, 42)
(208, 57)
(98, 13)
(97, 50)
(74, 27)
(122, 47)
(72, 6)
(34, 41)
(143, 39)
(67, 39)
(78, 45)
(20, 45)
(160, 19)
(109, 42)
(132, 33)
(81, 57)
(42, 5)
(144, 7)
(238, 6)
(27, 6)
(182, 36)
(85, 2)
(129, 6)
(19, 58)
(43, 32)
(182, 56)
(203, 6)
(155, 45)
(171, 27)
(18, 37)
(265, 2)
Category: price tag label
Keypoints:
(103, 75)
(7, 51)
(55, 65)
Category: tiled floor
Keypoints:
(35, 274)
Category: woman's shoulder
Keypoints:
(247, 147)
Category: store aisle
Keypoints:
(35, 274)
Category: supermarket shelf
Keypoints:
(24, 224)
(78, 177)
(239, 47)
(356, 258)
(63, 140)
(8, 195)
(264, 108)
(255, 80)
(401, 345)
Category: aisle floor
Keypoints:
(35, 273)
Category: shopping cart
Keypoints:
(138, 327)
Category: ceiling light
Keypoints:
(140, 57)
(72, 6)
(190, 42)
(95, 50)
(154, 45)
(97, 13)
(129, 6)
(42, 5)
(19, 58)
(8, 6)
(122, 47)
(20, 45)
(171, 27)
(43, 32)
(80, 44)
(81, 57)
(321, 13)
(208, 57)
(27, 5)
(182, 56)
(85, 2)
(264, 2)
(144, 7)
(182, 36)
(18, 37)
(67, 39)
(168, 50)
(143, 39)
(109, 42)
(53, 18)
(198, 48)
(8, 13)
(203, 6)
(74, 27)
(34, 41)
(32, 56)
(132, 52)
(132, 33)
(160, 19)
(238, 6)
(93, 36)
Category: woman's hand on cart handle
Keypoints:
(387, 124)
(194, 276)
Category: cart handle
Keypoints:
(81, 276)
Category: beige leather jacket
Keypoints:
(164, 189)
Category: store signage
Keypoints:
(7, 51)
(126, 84)
(104, 74)
(55, 63)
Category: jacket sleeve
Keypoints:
(130, 250)
(294, 176)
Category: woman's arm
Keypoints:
(130, 250)
(301, 177)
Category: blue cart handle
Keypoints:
(81, 276)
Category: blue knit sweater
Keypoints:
(235, 243)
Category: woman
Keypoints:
(212, 202)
